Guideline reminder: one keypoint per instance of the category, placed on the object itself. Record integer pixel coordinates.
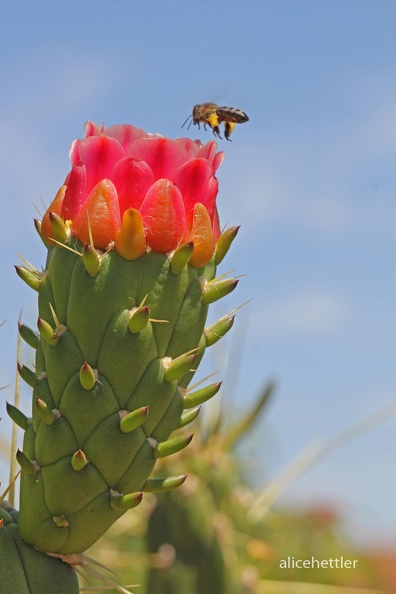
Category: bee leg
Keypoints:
(216, 131)
(228, 128)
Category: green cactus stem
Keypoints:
(24, 569)
(133, 240)
(109, 396)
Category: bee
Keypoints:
(212, 115)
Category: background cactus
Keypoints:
(133, 243)
(200, 521)
(204, 538)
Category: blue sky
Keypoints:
(311, 178)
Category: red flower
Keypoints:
(139, 191)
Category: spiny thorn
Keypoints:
(66, 247)
(58, 325)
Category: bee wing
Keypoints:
(232, 114)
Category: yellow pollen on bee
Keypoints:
(213, 120)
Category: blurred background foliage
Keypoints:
(213, 536)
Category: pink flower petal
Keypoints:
(133, 179)
(74, 155)
(217, 161)
(209, 200)
(192, 179)
(125, 134)
(76, 191)
(163, 155)
(99, 154)
(101, 214)
(119, 167)
(216, 225)
(164, 216)
(208, 150)
(92, 129)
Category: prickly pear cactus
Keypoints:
(24, 569)
(133, 242)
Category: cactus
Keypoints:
(133, 243)
(24, 569)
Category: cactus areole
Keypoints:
(133, 242)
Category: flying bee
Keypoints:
(212, 115)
